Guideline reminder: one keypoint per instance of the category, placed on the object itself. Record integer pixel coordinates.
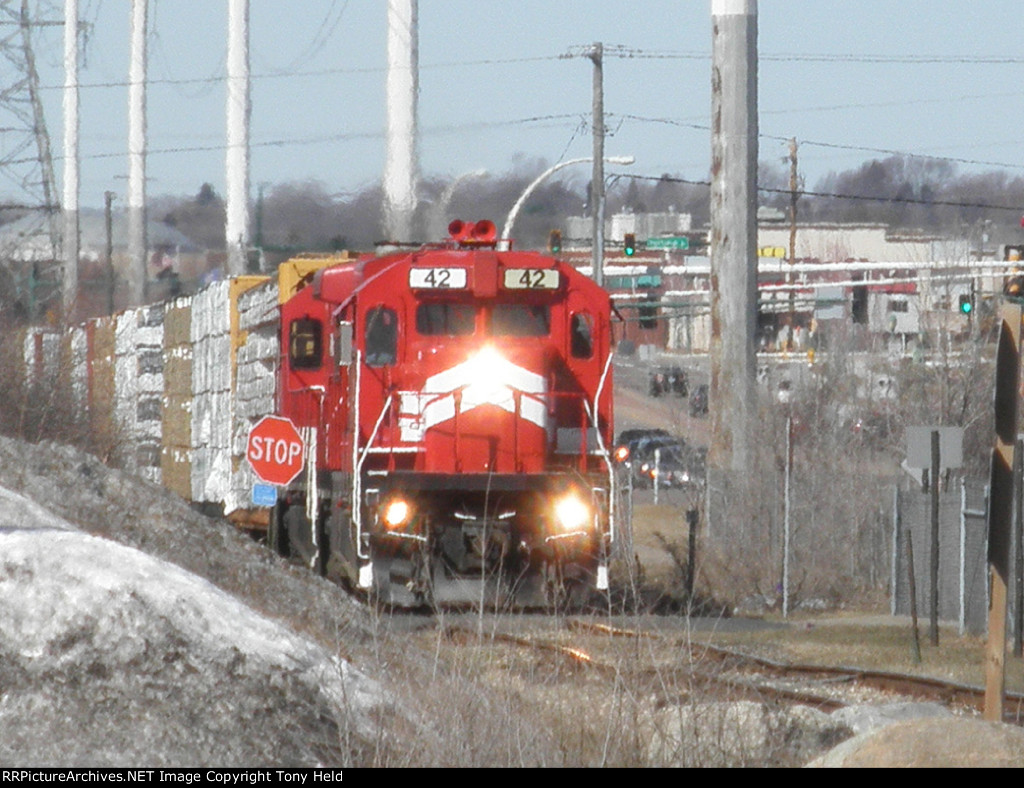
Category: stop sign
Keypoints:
(275, 450)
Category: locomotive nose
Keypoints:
(488, 414)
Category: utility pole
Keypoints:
(793, 197)
(1000, 509)
(733, 233)
(933, 551)
(71, 160)
(108, 223)
(597, 179)
(137, 242)
(400, 166)
(239, 112)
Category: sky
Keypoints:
(851, 81)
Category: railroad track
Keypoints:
(743, 676)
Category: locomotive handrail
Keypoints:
(611, 473)
(312, 483)
(604, 450)
(357, 504)
(373, 435)
(358, 289)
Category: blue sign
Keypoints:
(264, 494)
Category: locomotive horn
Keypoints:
(484, 231)
(460, 230)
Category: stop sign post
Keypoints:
(275, 450)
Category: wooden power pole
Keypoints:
(1000, 513)
(733, 233)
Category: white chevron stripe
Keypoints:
(486, 379)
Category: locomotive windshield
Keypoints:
(381, 337)
(520, 320)
(445, 319)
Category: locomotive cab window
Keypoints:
(381, 337)
(438, 318)
(305, 343)
(520, 320)
(581, 335)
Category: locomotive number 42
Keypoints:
(531, 279)
(437, 278)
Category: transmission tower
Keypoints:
(27, 183)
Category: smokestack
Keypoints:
(239, 112)
(137, 156)
(400, 168)
(71, 161)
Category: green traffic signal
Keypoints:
(629, 244)
(966, 305)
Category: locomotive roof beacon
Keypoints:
(456, 400)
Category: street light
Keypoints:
(506, 234)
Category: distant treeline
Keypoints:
(902, 192)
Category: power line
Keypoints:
(837, 195)
(323, 35)
(288, 74)
(629, 53)
(829, 145)
(339, 137)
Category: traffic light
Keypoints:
(966, 304)
(629, 244)
(555, 242)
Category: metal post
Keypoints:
(506, 233)
(933, 572)
(913, 599)
(962, 591)
(894, 566)
(597, 180)
(786, 517)
(691, 560)
(1018, 553)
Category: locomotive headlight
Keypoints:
(487, 368)
(396, 513)
(572, 513)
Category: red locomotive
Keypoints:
(457, 400)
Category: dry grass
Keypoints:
(874, 642)
(858, 634)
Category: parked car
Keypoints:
(671, 460)
(628, 438)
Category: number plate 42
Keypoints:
(437, 278)
(531, 279)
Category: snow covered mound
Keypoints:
(109, 656)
